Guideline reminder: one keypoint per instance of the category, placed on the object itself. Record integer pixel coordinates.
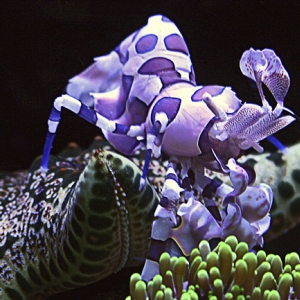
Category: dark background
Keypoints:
(44, 43)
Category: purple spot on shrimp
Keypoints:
(165, 19)
(127, 81)
(214, 90)
(156, 65)
(169, 105)
(146, 43)
(174, 42)
(198, 95)
(123, 57)
(170, 77)
(137, 110)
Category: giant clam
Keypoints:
(82, 222)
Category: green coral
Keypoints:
(228, 272)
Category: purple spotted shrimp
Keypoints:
(144, 93)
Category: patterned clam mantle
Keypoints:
(85, 220)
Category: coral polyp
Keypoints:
(230, 271)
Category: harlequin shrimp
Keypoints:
(144, 93)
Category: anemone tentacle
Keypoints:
(230, 271)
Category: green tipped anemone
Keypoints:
(228, 272)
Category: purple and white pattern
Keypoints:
(144, 93)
